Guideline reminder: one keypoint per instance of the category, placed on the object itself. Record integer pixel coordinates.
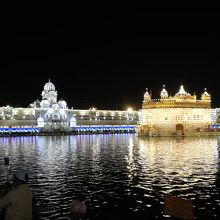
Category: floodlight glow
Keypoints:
(129, 110)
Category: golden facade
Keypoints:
(180, 114)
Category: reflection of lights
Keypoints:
(180, 157)
(142, 146)
(131, 166)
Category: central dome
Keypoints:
(182, 92)
(49, 86)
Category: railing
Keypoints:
(106, 128)
(15, 130)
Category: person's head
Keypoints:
(21, 177)
(78, 208)
(80, 196)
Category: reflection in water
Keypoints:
(119, 173)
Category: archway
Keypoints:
(179, 129)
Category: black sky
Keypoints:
(108, 59)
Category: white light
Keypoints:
(129, 110)
(50, 111)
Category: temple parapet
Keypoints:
(169, 103)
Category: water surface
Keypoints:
(119, 173)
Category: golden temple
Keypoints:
(175, 115)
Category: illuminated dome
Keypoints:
(164, 93)
(205, 95)
(182, 93)
(62, 103)
(45, 103)
(49, 86)
(147, 95)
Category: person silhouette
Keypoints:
(17, 203)
(78, 207)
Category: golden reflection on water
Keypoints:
(180, 156)
(130, 158)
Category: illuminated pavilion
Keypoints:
(181, 114)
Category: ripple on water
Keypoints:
(118, 173)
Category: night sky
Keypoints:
(108, 59)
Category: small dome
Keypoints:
(164, 93)
(182, 92)
(45, 103)
(49, 86)
(37, 101)
(147, 95)
(62, 103)
(205, 93)
(206, 96)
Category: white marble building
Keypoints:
(52, 115)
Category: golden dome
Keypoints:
(182, 93)
(164, 93)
